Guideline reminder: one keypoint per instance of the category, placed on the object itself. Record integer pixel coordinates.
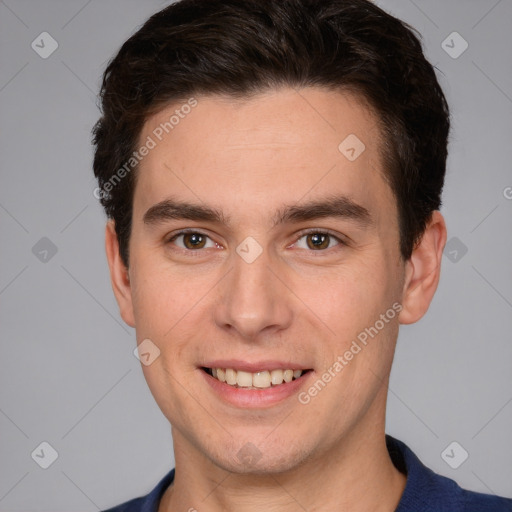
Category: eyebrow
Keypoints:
(340, 207)
(170, 209)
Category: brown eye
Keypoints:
(191, 240)
(194, 240)
(318, 240)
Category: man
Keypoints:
(272, 173)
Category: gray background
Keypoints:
(68, 375)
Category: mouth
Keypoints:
(255, 380)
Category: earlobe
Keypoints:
(423, 270)
(119, 276)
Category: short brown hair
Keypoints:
(242, 47)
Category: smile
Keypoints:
(257, 380)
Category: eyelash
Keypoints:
(302, 234)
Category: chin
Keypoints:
(249, 459)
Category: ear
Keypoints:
(119, 276)
(422, 271)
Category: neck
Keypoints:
(358, 467)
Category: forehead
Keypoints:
(277, 146)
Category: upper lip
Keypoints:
(255, 366)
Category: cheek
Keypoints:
(170, 309)
(160, 297)
(347, 299)
(151, 305)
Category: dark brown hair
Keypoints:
(242, 47)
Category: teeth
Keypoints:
(243, 379)
(288, 375)
(261, 380)
(276, 377)
(258, 380)
(230, 376)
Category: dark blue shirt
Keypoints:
(425, 491)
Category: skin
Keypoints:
(294, 303)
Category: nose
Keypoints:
(253, 301)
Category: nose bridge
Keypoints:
(253, 299)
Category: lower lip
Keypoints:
(243, 397)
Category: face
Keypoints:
(260, 244)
